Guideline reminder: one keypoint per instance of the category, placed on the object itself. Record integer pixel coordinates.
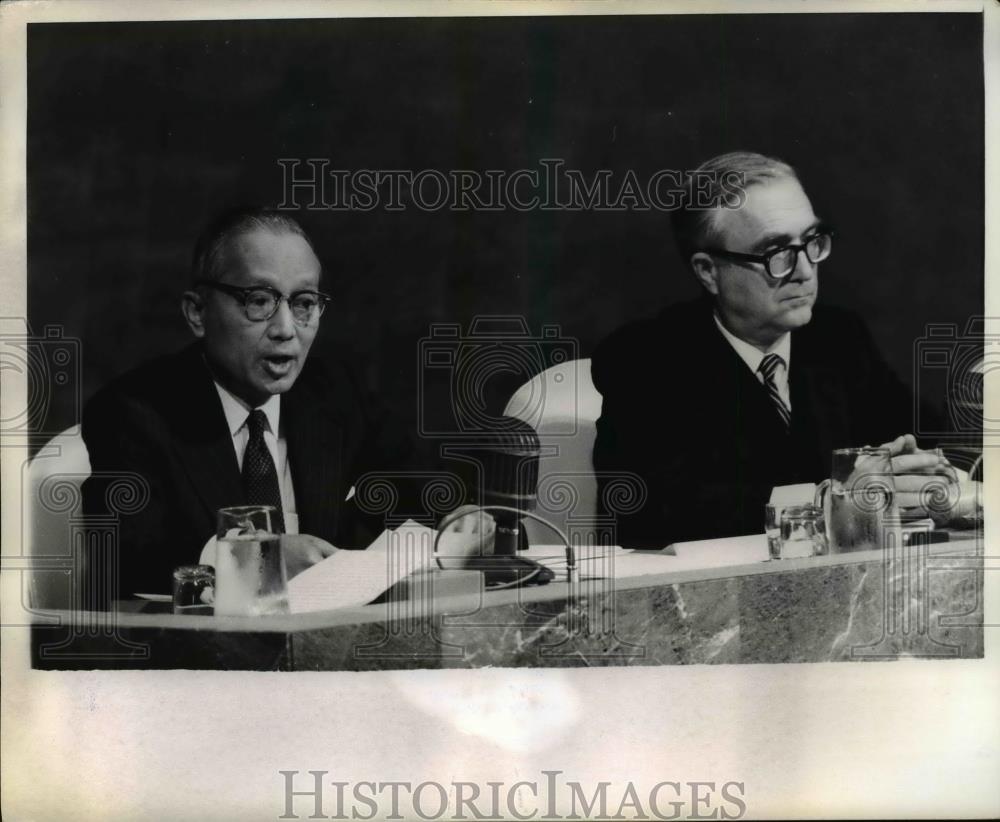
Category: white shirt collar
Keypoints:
(751, 355)
(236, 410)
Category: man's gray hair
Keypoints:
(715, 181)
(208, 260)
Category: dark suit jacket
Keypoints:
(684, 412)
(164, 421)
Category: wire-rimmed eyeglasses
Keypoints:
(780, 262)
(261, 302)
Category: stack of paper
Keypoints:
(613, 562)
(350, 578)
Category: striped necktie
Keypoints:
(260, 479)
(768, 367)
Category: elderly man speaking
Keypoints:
(240, 416)
(713, 403)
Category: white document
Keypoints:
(599, 561)
(801, 494)
(613, 562)
(351, 578)
(718, 553)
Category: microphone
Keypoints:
(510, 478)
(508, 456)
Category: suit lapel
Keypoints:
(204, 444)
(753, 406)
(818, 415)
(315, 450)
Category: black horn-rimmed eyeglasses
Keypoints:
(261, 302)
(780, 262)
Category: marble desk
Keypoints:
(924, 601)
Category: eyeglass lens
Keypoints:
(262, 305)
(782, 262)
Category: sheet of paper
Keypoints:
(801, 494)
(351, 578)
(629, 564)
(599, 561)
(603, 562)
(717, 553)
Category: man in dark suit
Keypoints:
(240, 416)
(715, 402)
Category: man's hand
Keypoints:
(470, 535)
(302, 551)
(926, 483)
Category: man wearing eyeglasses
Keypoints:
(714, 403)
(240, 416)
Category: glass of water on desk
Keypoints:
(194, 589)
(772, 527)
(802, 533)
(858, 501)
(794, 530)
(250, 576)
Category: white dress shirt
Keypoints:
(236, 412)
(752, 356)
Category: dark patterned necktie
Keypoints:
(768, 367)
(260, 479)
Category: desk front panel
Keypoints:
(919, 602)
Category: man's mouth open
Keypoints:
(278, 365)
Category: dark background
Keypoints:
(138, 132)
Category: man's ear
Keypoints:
(705, 270)
(193, 309)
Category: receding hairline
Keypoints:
(711, 226)
(693, 226)
(236, 249)
(215, 245)
(233, 240)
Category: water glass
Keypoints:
(802, 532)
(858, 500)
(194, 589)
(772, 527)
(250, 576)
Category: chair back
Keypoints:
(53, 500)
(563, 406)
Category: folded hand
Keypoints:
(926, 483)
